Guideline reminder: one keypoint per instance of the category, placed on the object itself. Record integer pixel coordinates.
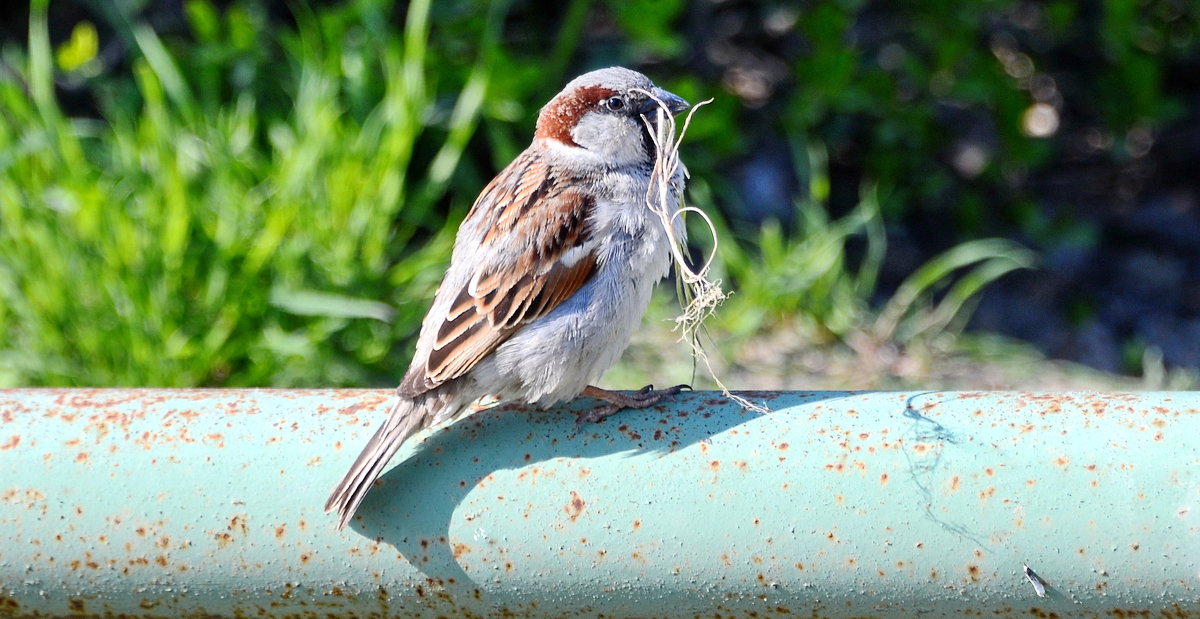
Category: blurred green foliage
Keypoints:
(190, 239)
(807, 276)
(260, 197)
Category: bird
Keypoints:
(551, 271)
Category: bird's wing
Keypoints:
(536, 250)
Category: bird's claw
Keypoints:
(596, 415)
(616, 402)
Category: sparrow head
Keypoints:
(601, 112)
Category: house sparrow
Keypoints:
(551, 271)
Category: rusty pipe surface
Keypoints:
(152, 502)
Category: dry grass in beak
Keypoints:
(698, 295)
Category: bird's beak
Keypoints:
(674, 102)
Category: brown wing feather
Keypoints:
(523, 207)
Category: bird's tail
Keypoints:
(407, 417)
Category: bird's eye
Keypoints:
(614, 103)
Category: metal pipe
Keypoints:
(170, 502)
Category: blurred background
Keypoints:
(996, 194)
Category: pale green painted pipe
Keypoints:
(162, 502)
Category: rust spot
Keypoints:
(1135, 546)
(77, 605)
(954, 481)
(987, 493)
(575, 507)
(933, 574)
(280, 531)
(81, 456)
(12, 442)
(1062, 460)
(305, 557)
(883, 479)
(783, 446)
(161, 560)
(1158, 436)
(715, 465)
(237, 524)
(973, 571)
(637, 524)
(799, 565)
(989, 472)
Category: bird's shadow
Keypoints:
(412, 506)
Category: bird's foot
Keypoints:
(617, 401)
